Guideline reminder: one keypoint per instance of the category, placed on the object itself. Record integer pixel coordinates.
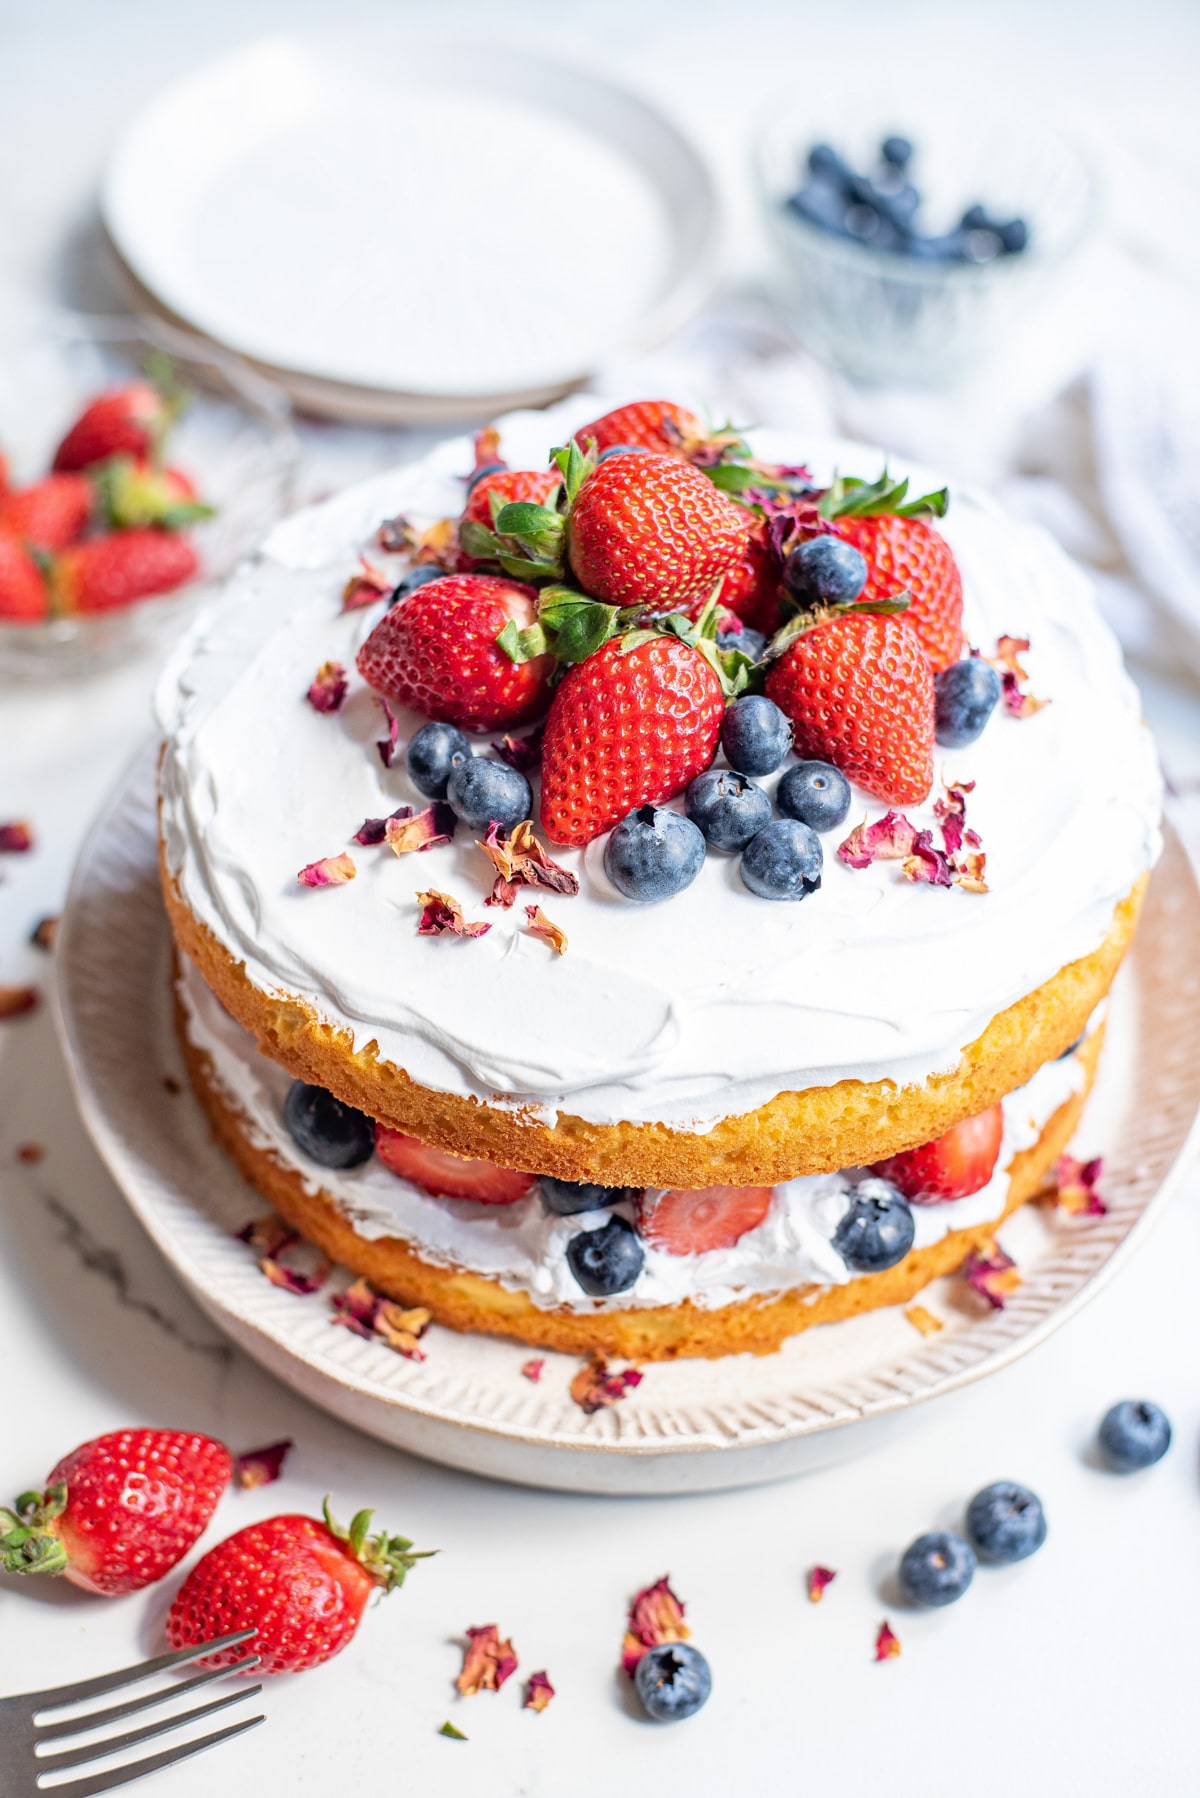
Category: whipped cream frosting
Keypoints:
(524, 1246)
(705, 1006)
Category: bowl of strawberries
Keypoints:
(137, 465)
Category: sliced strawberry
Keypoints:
(688, 1223)
(952, 1166)
(448, 1176)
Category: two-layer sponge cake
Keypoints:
(703, 990)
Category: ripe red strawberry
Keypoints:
(658, 425)
(650, 530)
(627, 727)
(120, 1512)
(908, 552)
(688, 1223)
(449, 1176)
(53, 512)
(24, 596)
(509, 485)
(301, 1584)
(752, 589)
(859, 692)
(126, 421)
(132, 494)
(952, 1166)
(108, 572)
(436, 651)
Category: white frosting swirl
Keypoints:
(686, 1012)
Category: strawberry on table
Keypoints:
(952, 1166)
(24, 596)
(448, 1176)
(119, 1512)
(651, 530)
(129, 420)
(51, 513)
(689, 1223)
(108, 572)
(904, 551)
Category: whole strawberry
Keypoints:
(658, 425)
(650, 530)
(630, 726)
(859, 691)
(126, 421)
(112, 571)
(301, 1584)
(436, 651)
(119, 1512)
(24, 596)
(504, 487)
(904, 551)
(51, 513)
(753, 587)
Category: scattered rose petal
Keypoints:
(992, 1274)
(441, 916)
(521, 753)
(818, 1579)
(374, 830)
(541, 925)
(429, 829)
(171, 1085)
(329, 688)
(923, 1320)
(291, 1279)
(538, 1691)
(30, 1151)
(15, 838)
(1075, 1187)
(456, 1735)
(268, 1235)
(655, 1617)
(896, 838)
(534, 1369)
(262, 1466)
(488, 1660)
(330, 871)
(927, 863)
(520, 859)
(378, 1319)
(15, 1001)
(271, 1239)
(889, 839)
(969, 867)
(887, 1643)
(437, 544)
(596, 1385)
(1007, 662)
(44, 932)
(951, 812)
(366, 586)
(387, 745)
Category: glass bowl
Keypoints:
(881, 316)
(235, 438)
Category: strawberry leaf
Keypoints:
(478, 541)
(577, 625)
(850, 497)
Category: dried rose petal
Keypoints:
(268, 1235)
(44, 932)
(378, 1319)
(15, 838)
(429, 829)
(488, 1660)
(655, 1617)
(387, 745)
(365, 587)
(923, 1320)
(926, 863)
(969, 867)
(533, 1369)
(538, 1691)
(520, 859)
(437, 544)
(329, 688)
(290, 1279)
(951, 812)
(487, 448)
(818, 1579)
(30, 1151)
(171, 1085)
(541, 925)
(330, 871)
(262, 1466)
(596, 1386)
(521, 753)
(1075, 1187)
(374, 830)
(1007, 662)
(887, 1643)
(889, 839)
(355, 1308)
(992, 1274)
(15, 1001)
(441, 916)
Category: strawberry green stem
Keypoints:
(852, 498)
(27, 1543)
(385, 1558)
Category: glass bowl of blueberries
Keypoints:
(904, 258)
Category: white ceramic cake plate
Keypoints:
(690, 1425)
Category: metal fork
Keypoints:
(25, 1756)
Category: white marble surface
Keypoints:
(1065, 1674)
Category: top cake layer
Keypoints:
(697, 1009)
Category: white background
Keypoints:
(1072, 1673)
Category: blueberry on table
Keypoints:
(897, 151)
(566, 1198)
(815, 792)
(432, 756)
(826, 570)
(783, 861)
(965, 696)
(727, 807)
(653, 854)
(1134, 1434)
(607, 1260)
(1005, 1522)
(937, 1568)
(751, 643)
(877, 1228)
(673, 1680)
(483, 791)
(755, 735)
(329, 1132)
(1014, 235)
(416, 577)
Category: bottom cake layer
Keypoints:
(503, 1269)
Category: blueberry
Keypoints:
(482, 791)
(897, 151)
(673, 1681)
(784, 861)
(937, 1568)
(825, 163)
(877, 1229)
(981, 246)
(756, 735)
(751, 643)
(821, 203)
(965, 698)
(825, 571)
(566, 1198)
(622, 449)
(975, 218)
(653, 854)
(483, 471)
(1014, 235)
(1134, 1434)
(816, 793)
(606, 1260)
(433, 755)
(330, 1133)
(1005, 1522)
(1070, 1049)
(416, 577)
(727, 807)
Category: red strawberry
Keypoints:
(650, 530)
(688, 1223)
(436, 651)
(952, 1166)
(752, 589)
(627, 727)
(908, 552)
(50, 514)
(302, 1585)
(108, 572)
(120, 1512)
(449, 1176)
(658, 425)
(508, 485)
(127, 421)
(859, 692)
(24, 596)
